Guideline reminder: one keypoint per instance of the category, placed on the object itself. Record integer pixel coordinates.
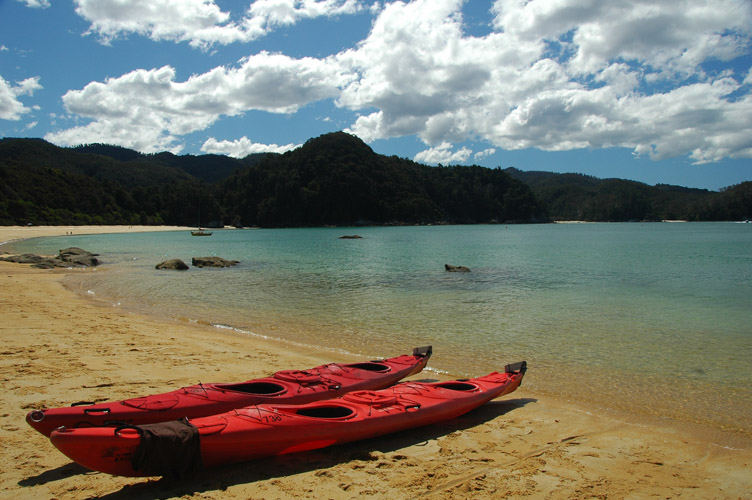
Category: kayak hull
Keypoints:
(272, 429)
(288, 387)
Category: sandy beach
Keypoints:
(58, 348)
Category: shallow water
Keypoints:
(649, 318)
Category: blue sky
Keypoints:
(659, 92)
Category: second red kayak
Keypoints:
(182, 448)
(286, 387)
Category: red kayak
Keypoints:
(182, 448)
(286, 387)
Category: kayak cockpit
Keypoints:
(371, 367)
(260, 388)
(327, 412)
(457, 386)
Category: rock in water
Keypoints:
(174, 264)
(212, 262)
(456, 269)
(69, 257)
(78, 256)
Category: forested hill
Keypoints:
(337, 179)
(333, 179)
(583, 197)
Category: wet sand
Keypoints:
(58, 348)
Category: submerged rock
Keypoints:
(212, 262)
(456, 269)
(173, 264)
(350, 237)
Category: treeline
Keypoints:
(582, 197)
(43, 184)
(335, 179)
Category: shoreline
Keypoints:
(59, 347)
(12, 233)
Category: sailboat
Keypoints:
(200, 231)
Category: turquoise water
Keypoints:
(647, 318)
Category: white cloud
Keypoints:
(286, 12)
(667, 36)
(484, 153)
(10, 107)
(242, 147)
(149, 110)
(443, 154)
(556, 76)
(553, 75)
(201, 22)
(36, 4)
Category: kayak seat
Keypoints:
(371, 367)
(457, 386)
(265, 388)
(325, 412)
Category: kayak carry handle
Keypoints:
(423, 352)
(83, 403)
(96, 411)
(123, 427)
(520, 367)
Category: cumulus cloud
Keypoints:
(36, 4)
(550, 75)
(671, 37)
(486, 152)
(11, 108)
(201, 22)
(240, 148)
(149, 110)
(558, 76)
(443, 154)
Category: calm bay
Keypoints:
(652, 319)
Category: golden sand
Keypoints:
(58, 348)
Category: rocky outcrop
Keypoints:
(78, 256)
(456, 269)
(68, 257)
(212, 262)
(172, 264)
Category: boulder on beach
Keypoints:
(69, 257)
(25, 258)
(456, 269)
(212, 262)
(172, 264)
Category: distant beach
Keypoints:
(60, 347)
(10, 233)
